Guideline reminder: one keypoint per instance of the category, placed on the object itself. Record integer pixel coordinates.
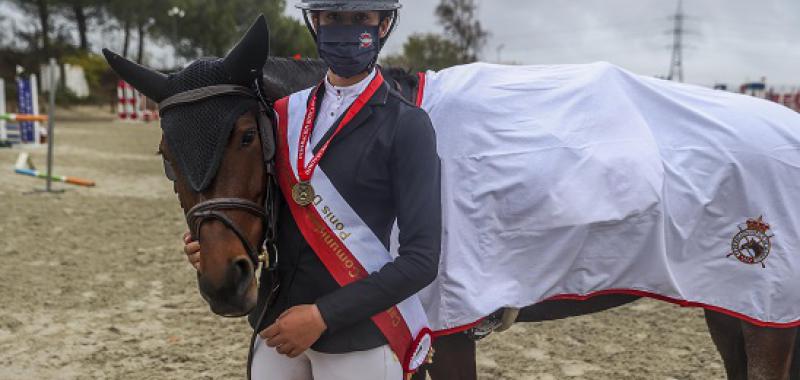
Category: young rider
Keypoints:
(354, 158)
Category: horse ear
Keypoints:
(246, 59)
(151, 83)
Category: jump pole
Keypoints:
(3, 133)
(37, 125)
(59, 178)
(51, 112)
(21, 117)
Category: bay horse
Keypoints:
(231, 215)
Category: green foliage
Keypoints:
(289, 37)
(211, 27)
(94, 66)
(207, 28)
(463, 39)
(458, 17)
(99, 77)
(426, 52)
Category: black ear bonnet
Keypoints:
(199, 105)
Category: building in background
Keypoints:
(787, 95)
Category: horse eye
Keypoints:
(168, 172)
(248, 137)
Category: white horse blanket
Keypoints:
(574, 180)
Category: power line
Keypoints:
(676, 62)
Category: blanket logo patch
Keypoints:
(751, 245)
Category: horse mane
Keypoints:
(403, 81)
(285, 76)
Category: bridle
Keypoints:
(213, 209)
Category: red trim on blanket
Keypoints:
(682, 303)
(420, 88)
(640, 293)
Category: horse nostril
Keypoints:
(242, 270)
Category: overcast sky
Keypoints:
(729, 41)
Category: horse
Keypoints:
(231, 215)
(748, 351)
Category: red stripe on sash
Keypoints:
(420, 89)
(336, 257)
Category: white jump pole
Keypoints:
(3, 133)
(51, 116)
(37, 126)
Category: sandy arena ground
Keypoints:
(93, 285)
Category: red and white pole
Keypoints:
(121, 100)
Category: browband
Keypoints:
(204, 93)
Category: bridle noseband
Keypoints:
(210, 209)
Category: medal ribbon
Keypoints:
(304, 172)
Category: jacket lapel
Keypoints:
(377, 100)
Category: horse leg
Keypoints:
(769, 351)
(794, 373)
(726, 332)
(453, 359)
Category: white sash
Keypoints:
(350, 231)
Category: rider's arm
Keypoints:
(415, 172)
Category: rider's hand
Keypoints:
(295, 330)
(192, 250)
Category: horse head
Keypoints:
(218, 145)
(755, 247)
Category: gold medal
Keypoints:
(303, 193)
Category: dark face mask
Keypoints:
(348, 49)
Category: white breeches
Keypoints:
(375, 364)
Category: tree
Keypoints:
(462, 42)
(289, 37)
(460, 24)
(211, 27)
(124, 12)
(4, 39)
(426, 52)
(80, 12)
(41, 9)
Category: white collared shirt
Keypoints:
(335, 102)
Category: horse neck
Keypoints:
(402, 81)
(284, 76)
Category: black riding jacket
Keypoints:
(384, 163)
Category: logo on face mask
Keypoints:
(348, 49)
(366, 40)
